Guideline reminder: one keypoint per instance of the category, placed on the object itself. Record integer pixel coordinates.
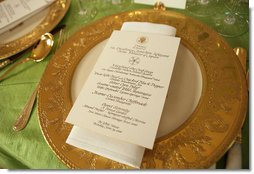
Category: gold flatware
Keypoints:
(39, 52)
(6, 62)
(25, 114)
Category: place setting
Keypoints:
(89, 42)
(147, 88)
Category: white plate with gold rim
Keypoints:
(204, 109)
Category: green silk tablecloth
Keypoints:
(28, 148)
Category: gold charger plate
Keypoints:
(199, 142)
(55, 14)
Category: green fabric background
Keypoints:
(27, 148)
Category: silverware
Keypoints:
(12, 59)
(24, 116)
(4, 63)
(40, 50)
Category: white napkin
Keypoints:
(114, 149)
(147, 27)
(14, 18)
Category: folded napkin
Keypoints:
(114, 149)
(14, 12)
(147, 27)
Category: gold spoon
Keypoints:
(40, 50)
(25, 114)
(14, 58)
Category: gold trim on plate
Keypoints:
(199, 142)
(56, 12)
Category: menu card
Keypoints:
(12, 12)
(124, 94)
(168, 3)
(112, 148)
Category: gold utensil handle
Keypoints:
(13, 58)
(24, 116)
(5, 63)
(12, 67)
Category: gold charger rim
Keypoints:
(224, 145)
(56, 13)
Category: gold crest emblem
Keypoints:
(142, 40)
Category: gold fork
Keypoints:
(24, 116)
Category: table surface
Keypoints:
(28, 148)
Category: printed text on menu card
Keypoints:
(125, 92)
